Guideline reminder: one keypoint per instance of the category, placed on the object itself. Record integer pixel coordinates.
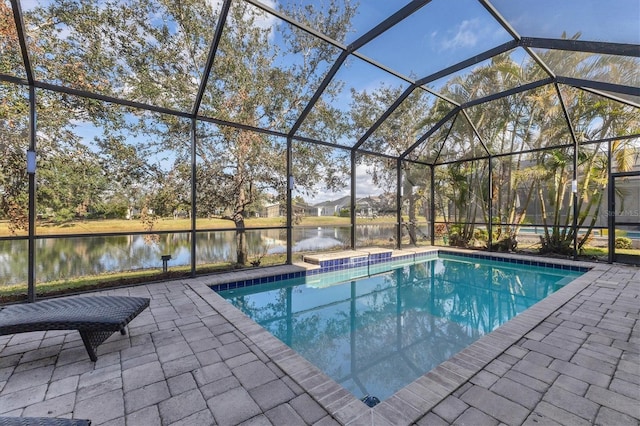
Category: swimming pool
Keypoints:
(376, 334)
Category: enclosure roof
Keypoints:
(443, 63)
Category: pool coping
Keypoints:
(415, 399)
(352, 264)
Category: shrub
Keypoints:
(550, 243)
(64, 215)
(457, 240)
(623, 243)
(440, 229)
(507, 244)
(481, 234)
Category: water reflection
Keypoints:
(65, 258)
(376, 335)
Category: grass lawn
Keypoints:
(603, 251)
(99, 226)
(122, 225)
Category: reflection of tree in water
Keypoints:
(13, 269)
(423, 317)
(71, 257)
(306, 330)
(322, 342)
(81, 256)
(483, 297)
(403, 333)
(378, 334)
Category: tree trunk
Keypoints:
(242, 254)
(241, 243)
(412, 214)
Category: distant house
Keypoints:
(365, 207)
(181, 213)
(377, 205)
(330, 208)
(134, 212)
(302, 209)
(272, 210)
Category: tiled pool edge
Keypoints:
(414, 400)
(252, 277)
(377, 264)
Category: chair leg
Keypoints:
(93, 339)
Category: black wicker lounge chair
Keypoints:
(95, 317)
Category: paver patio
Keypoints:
(193, 359)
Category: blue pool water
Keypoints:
(376, 334)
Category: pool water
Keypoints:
(374, 335)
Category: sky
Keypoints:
(616, 21)
(364, 188)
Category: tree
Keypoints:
(264, 74)
(252, 88)
(14, 129)
(401, 130)
(614, 118)
(505, 125)
(534, 120)
(14, 125)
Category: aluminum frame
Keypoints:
(607, 90)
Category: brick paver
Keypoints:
(574, 370)
(192, 359)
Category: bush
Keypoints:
(481, 234)
(457, 240)
(64, 215)
(440, 229)
(550, 243)
(623, 243)
(506, 244)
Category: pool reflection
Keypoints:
(377, 334)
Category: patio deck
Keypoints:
(193, 359)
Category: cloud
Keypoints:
(364, 187)
(364, 182)
(466, 34)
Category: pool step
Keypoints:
(337, 261)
